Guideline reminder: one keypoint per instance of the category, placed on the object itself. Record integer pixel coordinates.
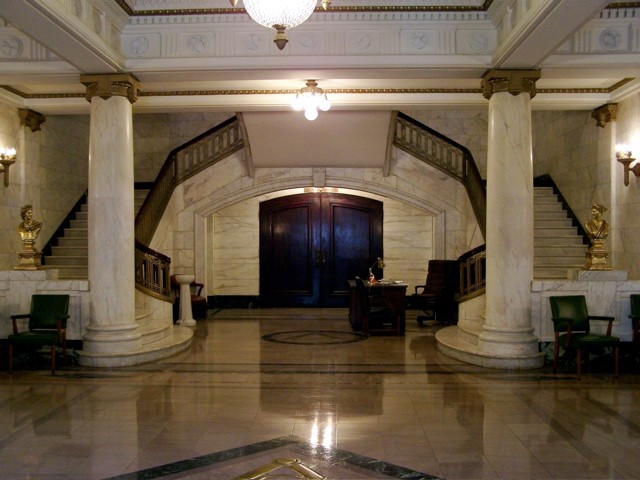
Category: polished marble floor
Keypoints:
(259, 385)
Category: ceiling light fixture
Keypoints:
(280, 14)
(310, 99)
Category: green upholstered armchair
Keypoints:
(46, 327)
(571, 324)
(635, 317)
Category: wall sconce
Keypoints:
(623, 155)
(7, 158)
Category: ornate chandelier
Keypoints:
(280, 14)
(311, 99)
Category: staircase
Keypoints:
(71, 255)
(558, 246)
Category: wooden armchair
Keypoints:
(46, 328)
(437, 297)
(571, 324)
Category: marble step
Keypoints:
(67, 260)
(551, 273)
(70, 251)
(72, 242)
(541, 232)
(553, 222)
(559, 241)
(76, 233)
(70, 271)
(178, 339)
(79, 224)
(539, 206)
(556, 250)
(549, 261)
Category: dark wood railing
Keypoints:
(152, 268)
(473, 272)
(447, 156)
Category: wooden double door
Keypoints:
(311, 245)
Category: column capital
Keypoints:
(109, 85)
(31, 119)
(512, 81)
(605, 114)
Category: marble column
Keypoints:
(112, 327)
(507, 332)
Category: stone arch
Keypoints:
(399, 187)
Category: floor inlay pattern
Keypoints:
(314, 337)
(235, 463)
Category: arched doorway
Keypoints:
(312, 243)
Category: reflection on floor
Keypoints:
(258, 385)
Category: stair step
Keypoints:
(553, 223)
(559, 262)
(548, 207)
(555, 250)
(75, 242)
(71, 272)
(80, 224)
(557, 241)
(76, 232)
(68, 261)
(74, 251)
(555, 232)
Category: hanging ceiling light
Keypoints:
(310, 99)
(280, 14)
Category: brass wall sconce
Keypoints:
(7, 158)
(623, 155)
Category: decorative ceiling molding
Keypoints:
(336, 8)
(334, 91)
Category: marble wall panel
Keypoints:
(17, 287)
(609, 298)
(626, 250)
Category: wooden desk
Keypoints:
(393, 293)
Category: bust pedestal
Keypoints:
(186, 313)
(597, 256)
(30, 257)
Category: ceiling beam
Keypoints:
(541, 30)
(62, 34)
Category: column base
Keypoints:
(505, 355)
(112, 339)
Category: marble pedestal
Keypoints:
(186, 312)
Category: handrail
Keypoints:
(447, 156)
(152, 268)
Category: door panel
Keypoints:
(311, 244)
(352, 234)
